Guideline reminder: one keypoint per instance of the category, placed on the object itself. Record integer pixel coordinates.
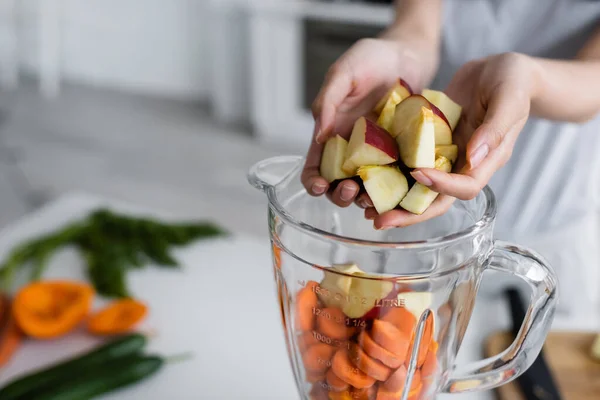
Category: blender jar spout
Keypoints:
(274, 171)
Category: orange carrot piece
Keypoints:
(364, 394)
(390, 338)
(119, 317)
(343, 368)
(305, 340)
(402, 319)
(11, 335)
(430, 365)
(379, 353)
(306, 303)
(318, 357)
(331, 322)
(384, 394)
(314, 377)
(368, 365)
(335, 383)
(343, 395)
(426, 340)
(318, 392)
(395, 383)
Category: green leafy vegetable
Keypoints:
(111, 245)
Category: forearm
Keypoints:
(567, 90)
(417, 18)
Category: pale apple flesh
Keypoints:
(400, 90)
(334, 153)
(416, 138)
(369, 145)
(449, 107)
(385, 185)
(449, 151)
(420, 197)
(410, 106)
(416, 302)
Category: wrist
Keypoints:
(535, 72)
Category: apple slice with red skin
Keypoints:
(419, 197)
(334, 153)
(415, 134)
(369, 145)
(385, 185)
(400, 89)
(449, 107)
(410, 106)
(399, 92)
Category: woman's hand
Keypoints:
(495, 93)
(352, 88)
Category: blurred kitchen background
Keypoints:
(162, 103)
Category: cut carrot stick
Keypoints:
(335, 383)
(430, 365)
(379, 353)
(368, 365)
(390, 338)
(306, 303)
(117, 318)
(343, 368)
(396, 381)
(318, 357)
(11, 336)
(331, 322)
(402, 319)
(426, 340)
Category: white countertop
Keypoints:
(229, 280)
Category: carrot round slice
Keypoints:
(390, 338)
(374, 350)
(343, 395)
(426, 340)
(364, 394)
(119, 317)
(318, 357)
(331, 322)
(402, 319)
(396, 381)
(306, 302)
(314, 377)
(368, 365)
(318, 392)
(305, 340)
(334, 382)
(343, 368)
(384, 394)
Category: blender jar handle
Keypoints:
(274, 171)
(507, 366)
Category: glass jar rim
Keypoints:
(477, 227)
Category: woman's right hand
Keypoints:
(352, 88)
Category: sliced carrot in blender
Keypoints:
(379, 353)
(368, 365)
(317, 358)
(305, 340)
(364, 394)
(343, 368)
(430, 365)
(335, 382)
(314, 377)
(331, 322)
(390, 338)
(383, 394)
(343, 395)
(402, 319)
(318, 392)
(306, 302)
(396, 381)
(426, 340)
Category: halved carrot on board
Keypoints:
(11, 336)
(426, 340)
(318, 357)
(334, 382)
(331, 322)
(368, 365)
(390, 338)
(402, 319)
(343, 368)
(430, 365)
(306, 302)
(379, 353)
(396, 381)
(118, 317)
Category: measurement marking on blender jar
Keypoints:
(321, 361)
(327, 340)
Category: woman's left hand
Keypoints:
(495, 93)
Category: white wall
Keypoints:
(152, 46)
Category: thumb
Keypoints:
(337, 86)
(504, 118)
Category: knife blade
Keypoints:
(537, 383)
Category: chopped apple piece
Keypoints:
(416, 139)
(369, 145)
(416, 302)
(450, 108)
(332, 159)
(411, 106)
(419, 197)
(450, 151)
(400, 90)
(385, 185)
(596, 348)
(338, 285)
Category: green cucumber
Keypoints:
(104, 380)
(32, 382)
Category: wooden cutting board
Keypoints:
(568, 355)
